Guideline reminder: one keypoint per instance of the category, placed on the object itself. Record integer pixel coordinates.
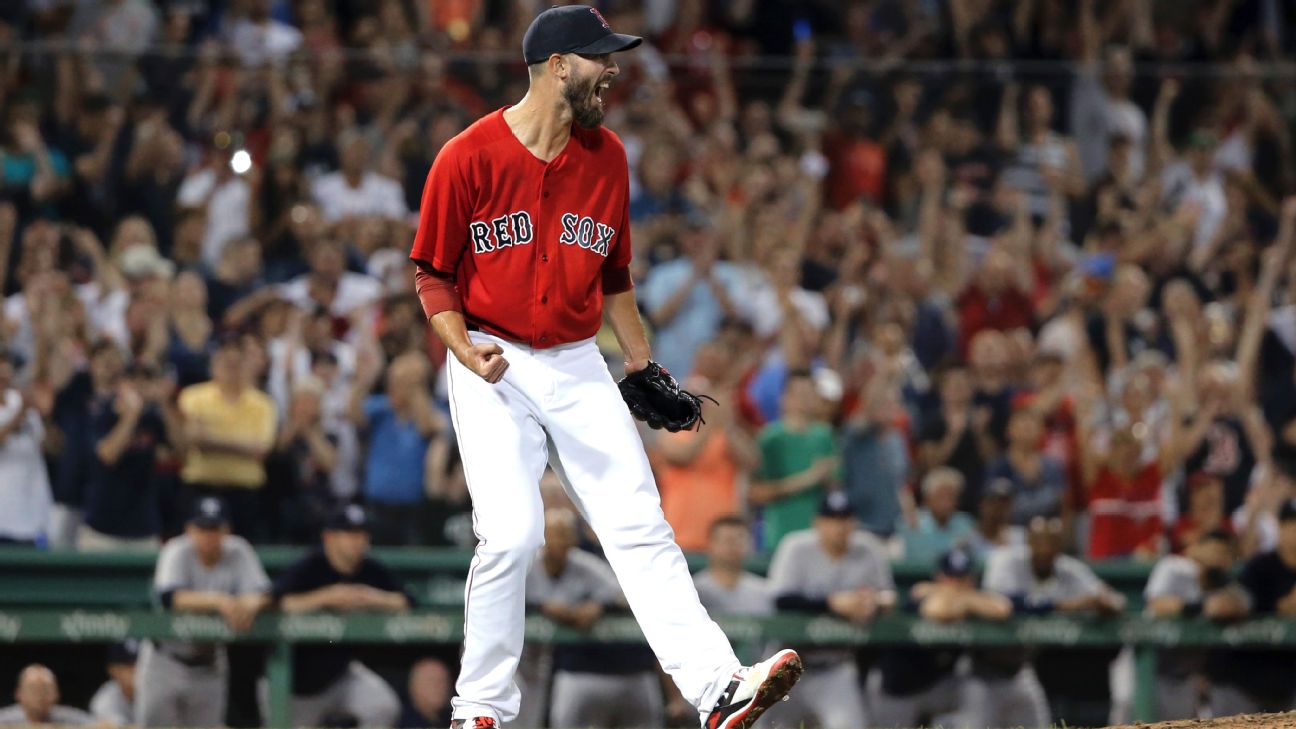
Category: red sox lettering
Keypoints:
(512, 229)
(580, 230)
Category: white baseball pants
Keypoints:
(560, 406)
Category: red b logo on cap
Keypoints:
(599, 15)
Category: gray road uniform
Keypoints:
(183, 683)
(750, 596)
(604, 685)
(110, 704)
(1177, 668)
(1003, 689)
(59, 716)
(801, 577)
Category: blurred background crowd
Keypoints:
(969, 263)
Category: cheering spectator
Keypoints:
(725, 587)
(127, 427)
(24, 486)
(875, 454)
(222, 197)
(329, 285)
(703, 470)
(37, 695)
(400, 424)
(301, 466)
(229, 431)
(114, 702)
(341, 576)
(937, 526)
(1038, 480)
(687, 298)
(798, 461)
(1124, 490)
(957, 435)
(353, 192)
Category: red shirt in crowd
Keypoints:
(1124, 513)
(977, 310)
(533, 245)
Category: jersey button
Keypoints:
(544, 257)
(544, 299)
(546, 193)
(544, 338)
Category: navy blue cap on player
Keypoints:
(124, 653)
(572, 29)
(955, 563)
(349, 518)
(209, 513)
(836, 505)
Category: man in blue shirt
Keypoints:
(938, 526)
(400, 424)
(687, 298)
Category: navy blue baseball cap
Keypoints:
(955, 563)
(349, 518)
(836, 505)
(572, 29)
(124, 653)
(209, 513)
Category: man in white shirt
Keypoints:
(329, 285)
(225, 198)
(259, 39)
(354, 191)
(25, 498)
(724, 587)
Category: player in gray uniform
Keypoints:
(114, 702)
(1199, 583)
(37, 695)
(830, 569)
(204, 570)
(593, 685)
(917, 683)
(1003, 689)
(724, 587)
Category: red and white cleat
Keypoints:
(755, 689)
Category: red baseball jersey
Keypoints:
(533, 245)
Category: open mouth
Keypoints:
(598, 91)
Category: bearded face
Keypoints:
(584, 94)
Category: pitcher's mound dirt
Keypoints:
(1246, 721)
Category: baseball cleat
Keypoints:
(481, 722)
(755, 689)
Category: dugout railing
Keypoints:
(96, 598)
(445, 626)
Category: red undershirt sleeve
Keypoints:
(617, 279)
(437, 292)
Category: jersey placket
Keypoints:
(546, 249)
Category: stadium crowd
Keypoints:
(998, 283)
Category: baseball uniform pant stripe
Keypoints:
(561, 405)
